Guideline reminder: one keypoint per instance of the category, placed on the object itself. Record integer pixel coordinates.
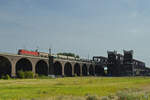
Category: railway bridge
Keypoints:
(12, 63)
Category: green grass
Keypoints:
(76, 86)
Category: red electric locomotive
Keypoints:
(28, 53)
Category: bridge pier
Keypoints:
(81, 69)
(33, 67)
(51, 65)
(94, 70)
(88, 66)
(63, 68)
(72, 64)
(13, 69)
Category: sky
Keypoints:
(85, 27)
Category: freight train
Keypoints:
(46, 55)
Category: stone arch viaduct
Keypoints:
(12, 63)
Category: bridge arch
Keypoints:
(84, 70)
(91, 70)
(41, 68)
(5, 66)
(77, 70)
(57, 68)
(23, 64)
(68, 69)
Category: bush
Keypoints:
(105, 98)
(20, 74)
(28, 74)
(44, 77)
(122, 95)
(6, 77)
(36, 76)
(92, 97)
(75, 75)
(127, 96)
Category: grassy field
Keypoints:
(17, 89)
